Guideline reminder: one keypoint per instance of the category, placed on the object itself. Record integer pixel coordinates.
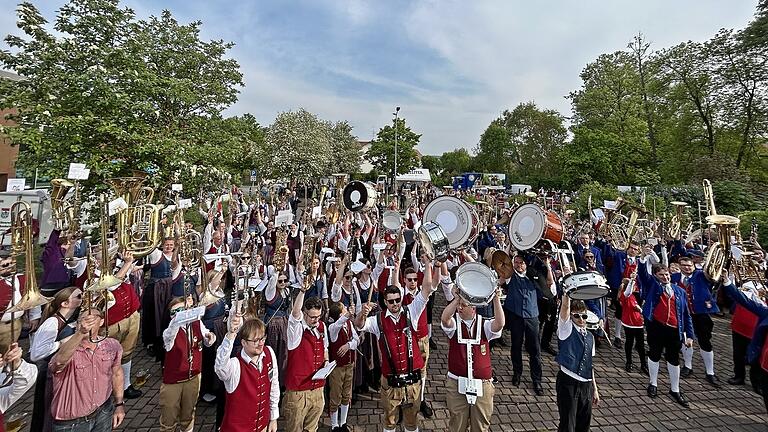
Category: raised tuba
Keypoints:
(138, 226)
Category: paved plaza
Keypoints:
(624, 405)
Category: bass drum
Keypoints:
(434, 241)
(359, 196)
(530, 224)
(457, 219)
(585, 285)
(476, 283)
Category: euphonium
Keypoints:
(59, 206)
(719, 254)
(675, 225)
(138, 226)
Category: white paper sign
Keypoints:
(284, 217)
(177, 187)
(78, 171)
(15, 185)
(316, 212)
(116, 205)
(185, 203)
(324, 372)
(609, 204)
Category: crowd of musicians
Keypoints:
(277, 313)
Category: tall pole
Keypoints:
(394, 178)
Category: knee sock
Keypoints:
(709, 361)
(688, 356)
(653, 372)
(617, 328)
(429, 326)
(126, 375)
(335, 419)
(423, 386)
(408, 430)
(674, 377)
(343, 417)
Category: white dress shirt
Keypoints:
(23, 379)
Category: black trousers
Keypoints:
(548, 315)
(763, 384)
(574, 403)
(702, 326)
(636, 337)
(740, 344)
(525, 330)
(666, 339)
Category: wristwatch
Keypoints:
(119, 404)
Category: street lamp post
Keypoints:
(394, 178)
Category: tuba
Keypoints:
(59, 205)
(138, 226)
(718, 257)
(676, 224)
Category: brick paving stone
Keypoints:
(624, 405)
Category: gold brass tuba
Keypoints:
(676, 224)
(59, 205)
(719, 253)
(138, 226)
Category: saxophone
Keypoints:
(281, 249)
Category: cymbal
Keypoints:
(531, 194)
(502, 263)
(723, 220)
(678, 203)
(570, 211)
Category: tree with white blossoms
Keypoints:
(346, 155)
(297, 146)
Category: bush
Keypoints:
(760, 217)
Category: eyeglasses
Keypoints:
(394, 301)
(579, 315)
(313, 317)
(255, 341)
(412, 279)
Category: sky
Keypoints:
(452, 66)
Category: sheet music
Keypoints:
(324, 372)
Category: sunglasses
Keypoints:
(394, 301)
(282, 280)
(579, 315)
(412, 279)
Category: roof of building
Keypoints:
(10, 75)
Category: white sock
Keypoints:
(408, 430)
(126, 375)
(423, 385)
(335, 419)
(674, 377)
(389, 430)
(429, 326)
(709, 361)
(616, 328)
(653, 372)
(688, 356)
(344, 411)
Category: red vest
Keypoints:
(305, 360)
(247, 408)
(6, 293)
(422, 330)
(213, 250)
(383, 279)
(481, 354)
(177, 367)
(80, 280)
(665, 312)
(629, 268)
(345, 335)
(126, 303)
(743, 322)
(2, 422)
(396, 338)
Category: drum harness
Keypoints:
(412, 376)
(470, 387)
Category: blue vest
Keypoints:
(575, 353)
(522, 297)
(278, 307)
(315, 290)
(161, 269)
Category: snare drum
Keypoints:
(476, 283)
(585, 285)
(593, 322)
(392, 220)
(434, 241)
(457, 219)
(530, 224)
(359, 196)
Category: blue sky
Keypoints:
(452, 66)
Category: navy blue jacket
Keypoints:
(755, 347)
(652, 290)
(701, 288)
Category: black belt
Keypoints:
(88, 417)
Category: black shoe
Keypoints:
(652, 390)
(712, 379)
(679, 398)
(758, 390)
(736, 381)
(628, 367)
(494, 379)
(426, 410)
(344, 428)
(686, 372)
(432, 344)
(617, 343)
(538, 389)
(644, 369)
(132, 393)
(336, 429)
(548, 349)
(516, 380)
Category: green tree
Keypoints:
(756, 33)
(345, 149)
(456, 162)
(382, 151)
(297, 146)
(493, 150)
(115, 93)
